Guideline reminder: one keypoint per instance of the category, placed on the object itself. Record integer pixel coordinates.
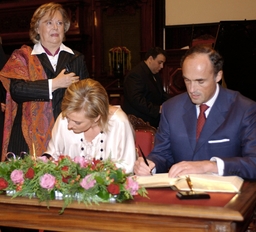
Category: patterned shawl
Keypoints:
(37, 117)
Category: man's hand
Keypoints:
(192, 167)
(64, 80)
(141, 169)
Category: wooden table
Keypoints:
(137, 215)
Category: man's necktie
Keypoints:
(201, 120)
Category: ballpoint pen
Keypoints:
(144, 157)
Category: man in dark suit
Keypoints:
(227, 143)
(143, 89)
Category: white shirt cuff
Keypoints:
(153, 171)
(50, 88)
(220, 165)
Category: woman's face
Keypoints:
(78, 122)
(51, 30)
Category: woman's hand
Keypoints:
(64, 80)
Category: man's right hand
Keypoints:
(141, 169)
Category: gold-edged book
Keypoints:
(200, 182)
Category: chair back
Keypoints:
(144, 134)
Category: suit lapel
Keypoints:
(190, 119)
(63, 59)
(45, 62)
(215, 118)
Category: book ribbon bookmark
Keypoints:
(191, 194)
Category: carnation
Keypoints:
(3, 183)
(30, 173)
(47, 181)
(17, 176)
(88, 182)
(81, 160)
(113, 188)
(132, 185)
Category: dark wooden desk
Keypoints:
(137, 215)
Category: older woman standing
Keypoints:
(89, 127)
(36, 79)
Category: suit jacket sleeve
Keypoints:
(162, 153)
(23, 91)
(81, 66)
(245, 166)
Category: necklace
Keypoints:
(91, 149)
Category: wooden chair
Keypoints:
(144, 134)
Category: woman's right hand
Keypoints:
(64, 80)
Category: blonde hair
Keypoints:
(89, 96)
(41, 11)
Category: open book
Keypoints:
(200, 182)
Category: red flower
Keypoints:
(65, 179)
(30, 173)
(96, 164)
(65, 168)
(113, 189)
(3, 183)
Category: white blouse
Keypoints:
(118, 143)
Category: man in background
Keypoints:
(143, 88)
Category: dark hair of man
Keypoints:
(154, 52)
(214, 56)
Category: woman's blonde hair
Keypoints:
(89, 96)
(41, 11)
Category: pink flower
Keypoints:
(88, 182)
(132, 185)
(17, 176)
(81, 160)
(47, 181)
(43, 158)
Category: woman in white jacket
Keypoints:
(88, 126)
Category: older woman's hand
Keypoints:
(64, 80)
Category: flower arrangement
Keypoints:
(119, 55)
(87, 181)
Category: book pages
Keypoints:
(200, 182)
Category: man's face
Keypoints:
(199, 78)
(155, 65)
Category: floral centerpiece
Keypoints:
(87, 181)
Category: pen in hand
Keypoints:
(144, 157)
